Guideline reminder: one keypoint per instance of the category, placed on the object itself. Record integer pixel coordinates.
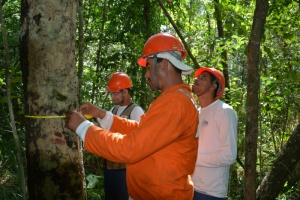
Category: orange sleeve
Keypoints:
(123, 125)
(159, 127)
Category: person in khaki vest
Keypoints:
(160, 151)
(119, 86)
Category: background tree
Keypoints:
(253, 56)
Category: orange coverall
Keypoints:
(160, 151)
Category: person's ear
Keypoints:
(126, 91)
(214, 86)
(165, 64)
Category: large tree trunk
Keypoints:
(47, 52)
(281, 169)
(252, 109)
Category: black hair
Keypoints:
(214, 80)
(159, 60)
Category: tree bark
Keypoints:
(80, 45)
(281, 169)
(252, 108)
(47, 54)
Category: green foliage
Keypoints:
(94, 176)
(290, 191)
(9, 188)
(95, 186)
(9, 175)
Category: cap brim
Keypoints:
(177, 63)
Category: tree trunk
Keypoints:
(252, 108)
(47, 53)
(282, 168)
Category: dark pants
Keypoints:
(200, 196)
(115, 184)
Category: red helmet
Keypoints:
(161, 42)
(219, 75)
(119, 81)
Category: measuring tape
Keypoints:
(54, 117)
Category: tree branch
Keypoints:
(179, 34)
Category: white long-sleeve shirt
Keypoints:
(217, 148)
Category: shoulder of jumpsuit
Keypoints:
(177, 87)
(178, 96)
(181, 94)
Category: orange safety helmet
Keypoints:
(119, 81)
(161, 42)
(219, 75)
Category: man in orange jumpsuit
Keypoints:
(161, 150)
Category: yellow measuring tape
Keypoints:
(54, 117)
(44, 117)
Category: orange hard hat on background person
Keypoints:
(118, 81)
(219, 75)
(167, 46)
